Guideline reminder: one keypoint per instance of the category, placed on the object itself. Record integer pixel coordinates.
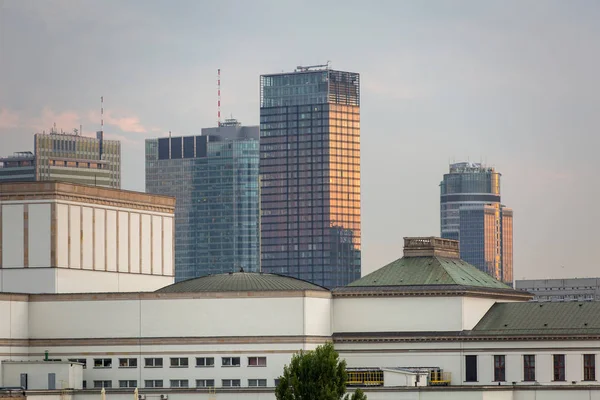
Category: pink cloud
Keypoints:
(8, 119)
(66, 120)
(126, 124)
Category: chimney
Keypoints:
(431, 247)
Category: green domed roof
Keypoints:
(240, 282)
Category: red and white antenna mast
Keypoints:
(219, 97)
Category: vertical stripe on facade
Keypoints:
(53, 235)
(25, 235)
(0, 235)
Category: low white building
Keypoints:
(427, 326)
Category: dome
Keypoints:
(240, 282)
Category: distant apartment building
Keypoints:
(66, 157)
(574, 289)
(214, 178)
(471, 212)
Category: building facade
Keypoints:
(310, 175)
(472, 213)
(215, 179)
(68, 158)
(574, 289)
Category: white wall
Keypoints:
(62, 232)
(28, 280)
(317, 316)
(78, 281)
(87, 237)
(100, 231)
(145, 244)
(168, 246)
(75, 236)
(37, 374)
(12, 235)
(156, 245)
(39, 235)
(474, 308)
(111, 240)
(14, 317)
(134, 242)
(123, 255)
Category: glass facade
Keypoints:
(471, 212)
(215, 182)
(310, 176)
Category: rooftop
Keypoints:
(240, 282)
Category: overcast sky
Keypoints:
(512, 83)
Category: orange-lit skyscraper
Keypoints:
(310, 175)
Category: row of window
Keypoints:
(175, 362)
(179, 383)
(558, 368)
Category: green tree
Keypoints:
(316, 375)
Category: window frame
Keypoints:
(231, 383)
(103, 361)
(231, 365)
(589, 368)
(205, 359)
(528, 367)
(154, 381)
(154, 359)
(186, 383)
(559, 368)
(179, 365)
(471, 376)
(206, 383)
(258, 382)
(499, 370)
(128, 383)
(128, 361)
(103, 384)
(258, 359)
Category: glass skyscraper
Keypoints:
(214, 178)
(472, 213)
(310, 175)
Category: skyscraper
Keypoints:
(66, 157)
(310, 175)
(472, 213)
(214, 178)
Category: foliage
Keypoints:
(316, 375)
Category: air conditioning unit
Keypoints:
(164, 397)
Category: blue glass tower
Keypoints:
(215, 179)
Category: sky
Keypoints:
(511, 83)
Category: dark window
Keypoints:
(201, 146)
(176, 148)
(163, 149)
(499, 368)
(559, 367)
(471, 368)
(529, 368)
(589, 367)
(188, 147)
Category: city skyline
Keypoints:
(510, 83)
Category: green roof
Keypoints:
(429, 271)
(564, 318)
(240, 282)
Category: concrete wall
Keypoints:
(66, 375)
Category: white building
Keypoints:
(60, 237)
(425, 320)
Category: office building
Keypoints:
(571, 289)
(472, 213)
(214, 177)
(310, 175)
(66, 157)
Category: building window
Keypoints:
(278, 380)
(589, 367)
(529, 368)
(156, 383)
(257, 382)
(205, 361)
(202, 383)
(84, 385)
(230, 361)
(257, 361)
(471, 368)
(499, 368)
(231, 383)
(102, 384)
(79, 360)
(179, 362)
(558, 361)
(153, 362)
(127, 384)
(127, 362)
(179, 383)
(102, 363)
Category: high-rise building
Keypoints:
(472, 213)
(310, 175)
(214, 178)
(66, 157)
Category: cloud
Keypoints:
(66, 120)
(126, 124)
(8, 119)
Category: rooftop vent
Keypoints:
(431, 247)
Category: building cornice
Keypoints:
(409, 337)
(406, 292)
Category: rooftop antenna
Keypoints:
(219, 97)
(102, 113)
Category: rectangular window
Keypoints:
(153, 362)
(499, 368)
(257, 382)
(471, 368)
(179, 362)
(102, 363)
(201, 383)
(257, 361)
(179, 383)
(102, 384)
(230, 361)
(127, 384)
(529, 368)
(589, 367)
(84, 385)
(231, 383)
(153, 383)
(127, 362)
(277, 381)
(205, 361)
(79, 360)
(558, 362)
